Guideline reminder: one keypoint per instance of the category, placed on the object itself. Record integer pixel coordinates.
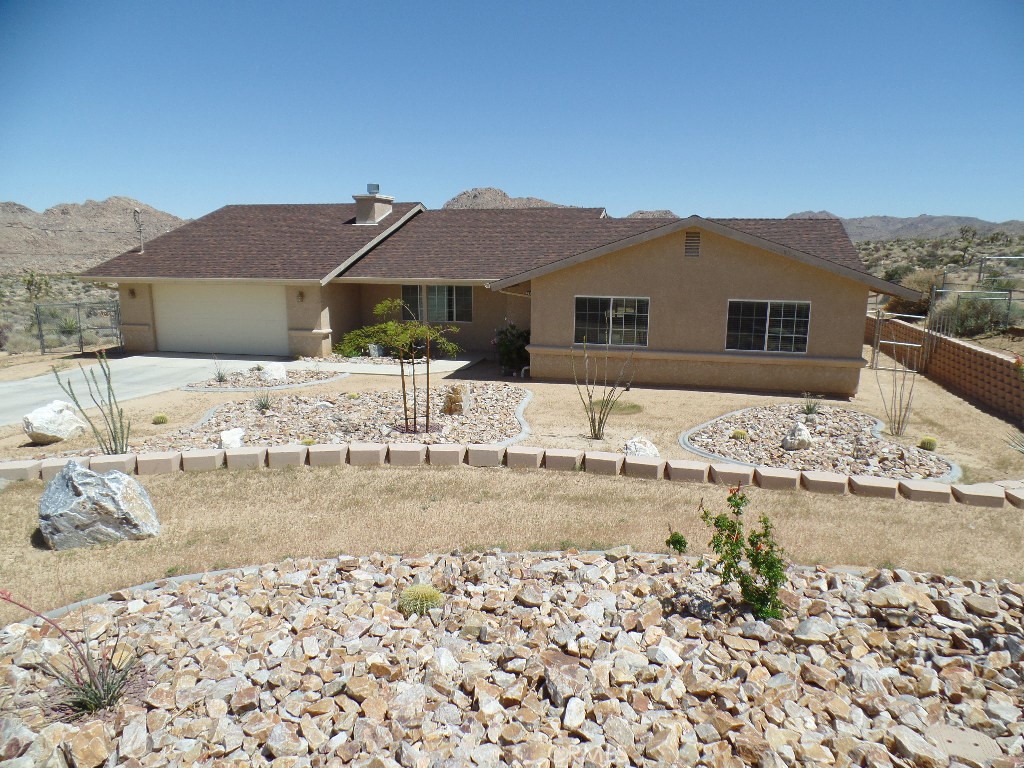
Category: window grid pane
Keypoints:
(617, 321)
(463, 304)
(776, 326)
(788, 326)
(411, 297)
(437, 303)
(746, 325)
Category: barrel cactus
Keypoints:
(418, 599)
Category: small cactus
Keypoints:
(739, 434)
(418, 599)
(160, 418)
(928, 443)
(308, 441)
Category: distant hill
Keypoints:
(71, 237)
(878, 228)
(491, 197)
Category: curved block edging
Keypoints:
(954, 474)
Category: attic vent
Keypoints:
(692, 245)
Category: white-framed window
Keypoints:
(439, 303)
(615, 320)
(768, 326)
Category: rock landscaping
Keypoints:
(363, 360)
(354, 417)
(841, 441)
(564, 659)
(258, 378)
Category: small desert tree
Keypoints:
(595, 375)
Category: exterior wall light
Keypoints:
(131, 293)
(300, 296)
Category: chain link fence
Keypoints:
(78, 326)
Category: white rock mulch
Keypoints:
(562, 659)
(363, 360)
(354, 417)
(842, 441)
(251, 379)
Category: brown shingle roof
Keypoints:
(266, 242)
(824, 238)
(489, 244)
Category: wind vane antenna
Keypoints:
(137, 215)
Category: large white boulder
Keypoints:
(80, 507)
(53, 422)
(274, 373)
(232, 438)
(641, 446)
(797, 439)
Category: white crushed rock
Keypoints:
(842, 441)
(562, 659)
(251, 379)
(353, 417)
(364, 360)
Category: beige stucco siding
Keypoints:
(688, 315)
(137, 325)
(309, 328)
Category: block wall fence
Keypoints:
(985, 377)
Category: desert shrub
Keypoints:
(974, 316)
(510, 342)
(739, 434)
(5, 335)
(595, 375)
(921, 281)
(357, 343)
(928, 443)
(113, 439)
(419, 599)
(160, 418)
(811, 404)
(68, 325)
(22, 341)
(897, 272)
(263, 401)
(93, 681)
(219, 374)
(677, 541)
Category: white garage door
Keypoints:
(225, 318)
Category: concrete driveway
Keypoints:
(136, 376)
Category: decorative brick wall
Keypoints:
(980, 375)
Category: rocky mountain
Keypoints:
(491, 197)
(660, 214)
(878, 228)
(71, 237)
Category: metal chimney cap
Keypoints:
(373, 189)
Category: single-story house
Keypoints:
(770, 304)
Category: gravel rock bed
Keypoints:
(353, 417)
(842, 441)
(250, 379)
(562, 659)
(359, 360)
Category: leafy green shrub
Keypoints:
(765, 572)
(928, 443)
(93, 682)
(357, 343)
(677, 541)
(510, 343)
(419, 599)
(897, 272)
(739, 434)
(160, 418)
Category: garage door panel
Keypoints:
(227, 319)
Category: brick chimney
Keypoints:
(373, 207)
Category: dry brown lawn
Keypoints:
(226, 519)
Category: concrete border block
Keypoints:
(687, 471)
(286, 456)
(367, 454)
(485, 455)
(27, 469)
(158, 463)
(250, 457)
(603, 462)
(824, 482)
(926, 490)
(327, 455)
(122, 462)
(777, 478)
(202, 459)
(1015, 496)
(446, 455)
(646, 467)
(732, 474)
(523, 457)
(563, 459)
(980, 495)
(407, 454)
(874, 487)
(50, 468)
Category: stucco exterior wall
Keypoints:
(343, 302)
(490, 309)
(688, 316)
(138, 327)
(309, 329)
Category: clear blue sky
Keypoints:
(717, 108)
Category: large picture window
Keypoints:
(768, 326)
(611, 320)
(439, 303)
